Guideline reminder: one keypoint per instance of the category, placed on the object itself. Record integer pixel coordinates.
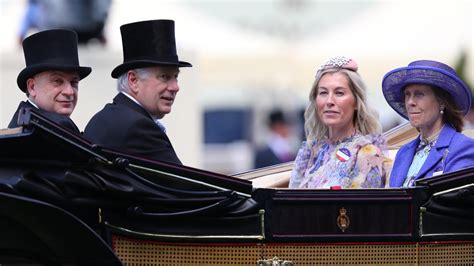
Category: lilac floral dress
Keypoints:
(354, 162)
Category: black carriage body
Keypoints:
(121, 196)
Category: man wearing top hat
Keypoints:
(51, 77)
(147, 85)
(278, 148)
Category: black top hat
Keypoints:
(50, 50)
(148, 43)
(276, 116)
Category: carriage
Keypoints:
(66, 201)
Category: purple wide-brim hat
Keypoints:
(424, 72)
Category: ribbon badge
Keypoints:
(343, 154)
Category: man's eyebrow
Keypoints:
(62, 73)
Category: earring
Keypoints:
(441, 111)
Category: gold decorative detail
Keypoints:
(99, 214)
(274, 262)
(343, 220)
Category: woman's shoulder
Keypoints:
(371, 139)
(463, 141)
(463, 137)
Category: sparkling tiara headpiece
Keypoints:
(339, 62)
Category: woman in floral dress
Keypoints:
(343, 148)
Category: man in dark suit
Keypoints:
(278, 148)
(147, 85)
(51, 77)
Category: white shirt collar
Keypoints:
(131, 98)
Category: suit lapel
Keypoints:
(433, 158)
(27, 104)
(437, 152)
(124, 100)
(14, 121)
(404, 162)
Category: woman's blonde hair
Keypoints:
(365, 118)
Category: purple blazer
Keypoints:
(452, 151)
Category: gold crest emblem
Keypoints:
(343, 220)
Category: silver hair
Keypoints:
(365, 119)
(122, 80)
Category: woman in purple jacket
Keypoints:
(435, 100)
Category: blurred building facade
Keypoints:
(252, 55)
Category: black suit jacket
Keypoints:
(124, 125)
(265, 157)
(62, 120)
